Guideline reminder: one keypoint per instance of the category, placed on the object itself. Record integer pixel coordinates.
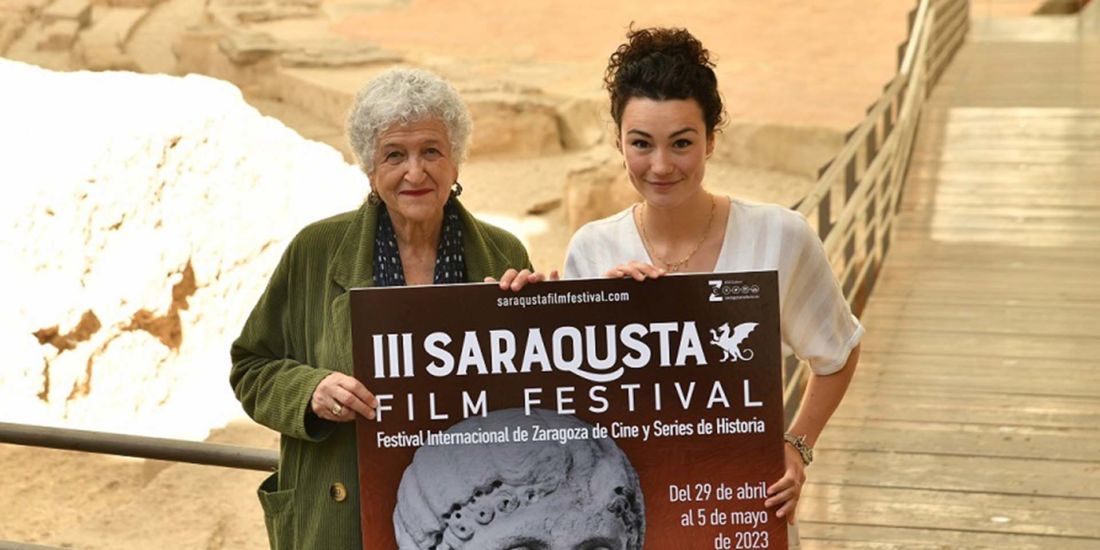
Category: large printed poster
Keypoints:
(589, 414)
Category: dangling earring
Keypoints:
(456, 190)
(374, 199)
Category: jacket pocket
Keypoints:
(278, 509)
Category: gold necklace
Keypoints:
(673, 267)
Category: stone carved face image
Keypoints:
(545, 495)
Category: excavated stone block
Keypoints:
(73, 10)
(512, 124)
(12, 26)
(248, 47)
(258, 11)
(335, 54)
(196, 47)
(583, 122)
(133, 3)
(58, 36)
(789, 149)
(113, 26)
(597, 190)
(104, 57)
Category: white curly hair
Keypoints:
(401, 96)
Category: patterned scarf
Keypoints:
(450, 263)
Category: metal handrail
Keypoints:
(157, 448)
(11, 545)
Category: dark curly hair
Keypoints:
(663, 63)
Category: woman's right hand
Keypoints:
(339, 397)
(515, 280)
(639, 271)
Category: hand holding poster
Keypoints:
(577, 414)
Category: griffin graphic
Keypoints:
(722, 338)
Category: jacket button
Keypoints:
(338, 492)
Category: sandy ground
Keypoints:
(80, 500)
(800, 62)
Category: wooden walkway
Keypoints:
(974, 421)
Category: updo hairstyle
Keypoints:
(660, 64)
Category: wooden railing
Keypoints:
(856, 198)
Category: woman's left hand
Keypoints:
(786, 492)
(515, 280)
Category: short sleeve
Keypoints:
(818, 324)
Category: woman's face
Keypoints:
(665, 144)
(413, 170)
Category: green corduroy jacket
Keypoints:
(300, 332)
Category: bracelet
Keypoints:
(799, 444)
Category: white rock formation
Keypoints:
(141, 219)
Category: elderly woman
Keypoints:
(544, 495)
(292, 363)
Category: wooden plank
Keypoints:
(967, 367)
(915, 251)
(967, 322)
(1038, 172)
(975, 142)
(955, 226)
(972, 512)
(946, 386)
(1029, 268)
(917, 404)
(1023, 292)
(1033, 346)
(963, 295)
(953, 196)
(1018, 156)
(1010, 280)
(1035, 205)
(1087, 243)
(953, 232)
(955, 438)
(817, 535)
(937, 472)
(1026, 266)
(1015, 115)
(973, 366)
(1003, 184)
(1027, 397)
(924, 201)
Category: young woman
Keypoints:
(666, 106)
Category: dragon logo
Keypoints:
(730, 343)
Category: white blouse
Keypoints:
(817, 324)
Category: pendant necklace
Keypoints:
(673, 267)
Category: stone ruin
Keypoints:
(286, 57)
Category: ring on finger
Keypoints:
(337, 408)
